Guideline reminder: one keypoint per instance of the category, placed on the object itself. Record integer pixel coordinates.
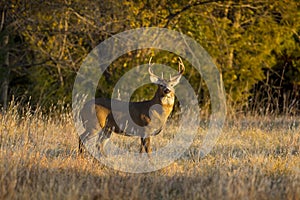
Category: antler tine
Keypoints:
(181, 67)
(150, 61)
(150, 70)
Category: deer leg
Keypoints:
(82, 138)
(145, 144)
(104, 136)
(80, 145)
(142, 145)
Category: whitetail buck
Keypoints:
(147, 118)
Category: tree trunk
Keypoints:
(6, 73)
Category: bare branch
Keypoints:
(171, 16)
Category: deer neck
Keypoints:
(160, 109)
(166, 101)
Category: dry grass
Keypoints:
(255, 158)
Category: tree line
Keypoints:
(255, 45)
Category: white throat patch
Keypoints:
(167, 100)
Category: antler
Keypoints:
(181, 69)
(150, 70)
(180, 64)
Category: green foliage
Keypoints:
(254, 44)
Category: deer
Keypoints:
(148, 118)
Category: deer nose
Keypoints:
(167, 91)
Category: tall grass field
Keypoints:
(256, 157)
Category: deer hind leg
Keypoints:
(86, 135)
(103, 138)
(82, 138)
(145, 144)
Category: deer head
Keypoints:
(165, 91)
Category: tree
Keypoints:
(254, 44)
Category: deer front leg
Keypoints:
(145, 144)
(80, 147)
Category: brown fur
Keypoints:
(148, 117)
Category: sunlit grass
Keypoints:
(254, 158)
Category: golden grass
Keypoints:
(255, 158)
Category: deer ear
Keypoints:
(154, 79)
(175, 80)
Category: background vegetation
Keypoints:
(255, 45)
